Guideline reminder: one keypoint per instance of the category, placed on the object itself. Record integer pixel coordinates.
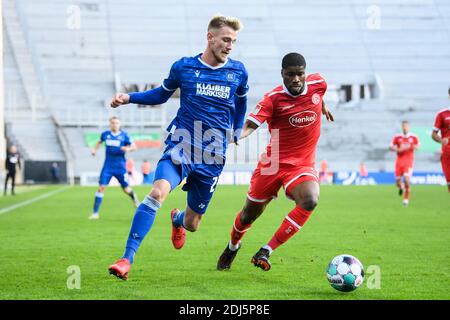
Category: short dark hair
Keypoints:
(293, 59)
(405, 121)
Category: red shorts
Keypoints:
(264, 188)
(403, 169)
(445, 162)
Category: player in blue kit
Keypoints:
(213, 103)
(117, 143)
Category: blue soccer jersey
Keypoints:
(114, 156)
(208, 97)
(212, 105)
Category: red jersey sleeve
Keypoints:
(438, 122)
(394, 142)
(262, 112)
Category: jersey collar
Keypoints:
(301, 94)
(406, 135)
(117, 134)
(210, 66)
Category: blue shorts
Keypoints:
(108, 173)
(201, 179)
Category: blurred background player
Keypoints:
(55, 173)
(146, 172)
(442, 125)
(293, 113)
(404, 144)
(213, 95)
(323, 171)
(117, 143)
(11, 162)
(363, 172)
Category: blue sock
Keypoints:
(97, 201)
(142, 223)
(178, 220)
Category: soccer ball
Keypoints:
(345, 273)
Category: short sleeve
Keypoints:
(128, 140)
(323, 85)
(103, 136)
(172, 82)
(243, 88)
(438, 123)
(262, 112)
(394, 141)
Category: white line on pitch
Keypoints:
(30, 201)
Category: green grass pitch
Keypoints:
(409, 245)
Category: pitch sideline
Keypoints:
(30, 201)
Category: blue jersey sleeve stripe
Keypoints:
(241, 95)
(167, 89)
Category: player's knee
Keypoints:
(127, 190)
(158, 195)
(248, 215)
(101, 189)
(309, 203)
(191, 225)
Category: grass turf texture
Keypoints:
(410, 245)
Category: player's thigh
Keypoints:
(445, 163)
(263, 188)
(200, 189)
(122, 177)
(105, 177)
(169, 171)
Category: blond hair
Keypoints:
(114, 118)
(218, 21)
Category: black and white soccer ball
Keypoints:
(345, 273)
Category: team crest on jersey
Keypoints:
(316, 98)
(303, 119)
(230, 76)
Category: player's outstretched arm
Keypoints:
(239, 115)
(120, 99)
(94, 150)
(393, 148)
(436, 137)
(150, 97)
(248, 129)
(327, 112)
(130, 148)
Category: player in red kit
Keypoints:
(404, 144)
(293, 114)
(442, 125)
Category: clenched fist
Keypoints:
(119, 99)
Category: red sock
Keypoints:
(238, 231)
(406, 193)
(291, 224)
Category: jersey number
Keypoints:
(213, 187)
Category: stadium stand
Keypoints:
(64, 60)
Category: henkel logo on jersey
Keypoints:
(303, 119)
(213, 90)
